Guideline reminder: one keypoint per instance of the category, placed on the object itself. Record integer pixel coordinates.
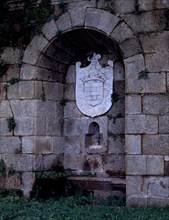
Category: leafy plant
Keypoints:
(2, 168)
(11, 171)
(143, 74)
(18, 27)
(3, 68)
(109, 4)
(11, 124)
(5, 86)
(14, 80)
(43, 95)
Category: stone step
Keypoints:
(101, 186)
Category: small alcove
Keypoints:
(94, 139)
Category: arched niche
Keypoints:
(49, 61)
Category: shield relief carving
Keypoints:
(94, 87)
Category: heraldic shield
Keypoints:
(94, 87)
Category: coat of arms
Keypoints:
(94, 87)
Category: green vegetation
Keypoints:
(14, 80)
(78, 207)
(18, 27)
(11, 124)
(143, 74)
(2, 168)
(43, 95)
(3, 68)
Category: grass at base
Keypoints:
(75, 208)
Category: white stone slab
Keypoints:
(94, 87)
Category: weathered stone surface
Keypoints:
(130, 47)
(164, 124)
(146, 21)
(28, 180)
(101, 19)
(81, 4)
(133, 144)
(157, 187)
(158, 202)
(156, 83)
(133, 66)
(9, 145)
(118, 107)
(70, 92)
(47, 108)
(166, 168)
(53, 91)
(116, 145)
(31, 56)
(77, 17)
(114, 165)
(44, 145)
(13, 182)
(50, 29)
(19, 162)
(51, 161)
(122, 32)
(71, 110)
(137, 201)
(156, 144)
(133, 104)
(74, 162)
(39, 43)
(38, 163)
(155, 165)
(136, 165)
(13, 71)
(154, 64)
(12, 55)
(23, 108)
(58, 145)
(159, 104)
(29, 145)
(72, 145)
(167, 82)
(40, 126)
(28, 72)
(140, 124)
(64, 22)
(116, 126)
(5, 111)
(71, 74)
(123, 7)
(154, 42)
(118, 71)
(24, 126)
(149, 5)
(4, 131)
(26, 89)
(54, 127)
(146, 5)
(13, 91)
(107, 22)
(74, 126)
(134, 185)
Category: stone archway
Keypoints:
(45, 64)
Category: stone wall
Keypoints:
(139, 31)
